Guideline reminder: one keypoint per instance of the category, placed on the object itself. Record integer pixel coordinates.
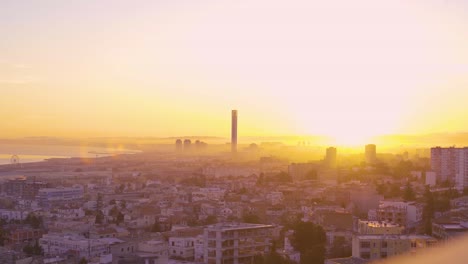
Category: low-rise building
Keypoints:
(407, 214)
(48, 197)
(379, 228)
(382, 246)
(182, 247)
(57, 244)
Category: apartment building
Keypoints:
(235, 243)
(49, 197)
(56, 244)
(382, 246)
(406, 214)
(378, 228)
(182, 247)
(450, 164)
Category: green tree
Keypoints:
(408, 193)
(156, 227)
(251, 218)
(35, 249)
(309, 239)
(99, 201)
(260, 180)
(428, 210)
(381, 189)
(120, 218)
(33, 220)
(211, 219)
(83, 261)
(99, 217)
(273, 257)
(340, 249)
(3, 236)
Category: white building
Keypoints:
(383, 246)
(431, 178)
(182, 247)
(48, 197)
(157, 247)
(406, 214)
(235, 243)
(8, 214)
(210, 194)
(199, 249)
(275, 197)
(56, 244)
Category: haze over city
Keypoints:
(233, 132)
(175, 68)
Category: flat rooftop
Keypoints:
(236, 226)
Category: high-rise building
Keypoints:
(234, 131)
(178, 145)
(450, 164)
(187, 145)
(371, 153)
(330, 157)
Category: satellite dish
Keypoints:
(15, 160)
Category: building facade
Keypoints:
(235, 243)
(450, 165)
(49, 197)
(383, 246)
(371, 153)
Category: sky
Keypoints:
(345, 69)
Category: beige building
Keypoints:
(382, 246)
(379, 228)
(228, 243)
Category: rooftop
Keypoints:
(237, 226)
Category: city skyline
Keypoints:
(302, 68)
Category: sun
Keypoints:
(351, 138)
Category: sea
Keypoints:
(25, 153)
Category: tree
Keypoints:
(381, 188)
(99, 201)
(156, 227)
(394, 191)
(428, 211)
(408, 194)
(99, 217)
(260, 180)
(120, 218)
(251, 218)
(83, 261)
(2, 236)
(33, 220)
(309, 239)
(211, 219)
(36, 249)
(340, 249)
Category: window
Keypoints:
(365, 244)
(383, 254)
(384, 244)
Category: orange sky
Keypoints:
(346, 69)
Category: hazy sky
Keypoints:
(349, 69)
